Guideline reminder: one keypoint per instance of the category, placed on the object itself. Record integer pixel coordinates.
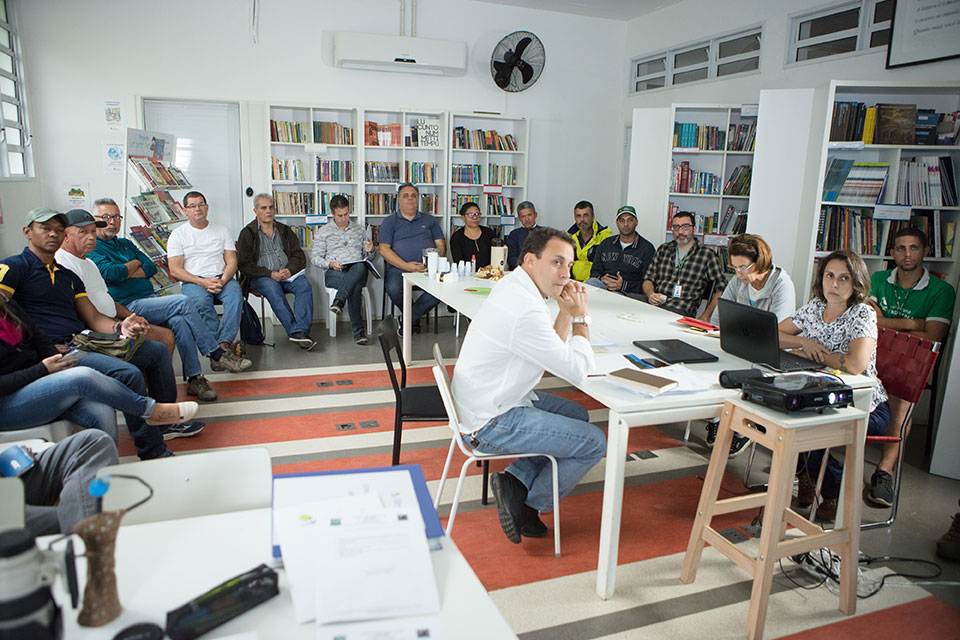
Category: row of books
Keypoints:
(498, 230)
(381, 171)
(332, 133)
(742, 137)
(282, 131)
(421, 172)
(732, 222)
(161, 279)
(305, 234)
(325, 198)
(156, 207)
(501, 174)
(156, 175)
(382, 135)
(464, 138)
(885, 123)
(457, 200)
(687, 180)
(466, 174)
(293, 203)
(334, 170)
(854, 182)
(499, 206)
(739, 182)
(698, 136)
(284, 169)
(151, 240)
(927, 181)
(940, 233)
(845, 228)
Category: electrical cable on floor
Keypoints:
(824, 565)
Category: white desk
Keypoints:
(626, 409)
(162, 565)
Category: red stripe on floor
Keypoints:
(926, 619)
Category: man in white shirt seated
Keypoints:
(203, 257)
(509, 345)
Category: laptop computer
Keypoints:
(752, 334)
(674, 351)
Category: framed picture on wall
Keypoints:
(923, 31)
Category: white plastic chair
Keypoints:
(51, 432)
(193, 485)
(332, 317)
(11, 504)
(443, 384)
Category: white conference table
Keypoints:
(162, 565)
(626, 408)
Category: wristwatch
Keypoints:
(584, 319)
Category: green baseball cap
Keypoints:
(42, 214)
(626, 209)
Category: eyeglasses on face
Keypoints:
(472, 214)
(196, 205)
(682, 227)
(110, 217)
(741, 269)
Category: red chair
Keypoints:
(904, 363)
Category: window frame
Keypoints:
(711, 44)
(25, 148)
(864, 30)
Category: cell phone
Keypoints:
(74, 354)
(644, 363)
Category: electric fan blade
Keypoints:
(502, 78)
(526, 71)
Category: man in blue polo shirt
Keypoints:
(57, 302)
(403, 237)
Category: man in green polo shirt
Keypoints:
(907, 299)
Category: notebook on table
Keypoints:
(753, 334)
(675, 351)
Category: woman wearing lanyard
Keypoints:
(472, 239)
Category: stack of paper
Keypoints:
(687, 381)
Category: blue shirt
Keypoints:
(111, 258)
(408, 238)
(515, 241)
(48, 293)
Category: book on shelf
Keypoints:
(304, 233)
(381, 171)
(926, 127)
(900, 124)
(479, 139)
(833, 180)
(896, 124)
(691, 135)
(466, 173)
(161, 279)
(425, 133)
(144, 237)
(429, 203)
(420, 172)
(688, 180)
(382, 135)
(381, 204)
(457, 200)
(949, 234)
(501, 174)
(739, 182)
(742, 137)
(284, 169)
(157, 207)
(156, 175)
(864, 183)
(282, 131)
(334, 170)
(927, 181)
(855, 229)
(293, 203)
(499, 206)
(332, 133)
(849, 121)
(948, 128)
(733, 221)
(325, 198)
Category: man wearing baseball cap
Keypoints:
(621, 260)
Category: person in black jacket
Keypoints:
(621, 261)
(472, 239)
(38, 385)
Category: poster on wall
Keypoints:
(923, 31)
(113, 157)
(76, 196)
(112, 115)
(152, 144)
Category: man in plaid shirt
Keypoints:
(681, 270)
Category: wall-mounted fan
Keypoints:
(517, 61)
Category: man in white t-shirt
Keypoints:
(203, 257)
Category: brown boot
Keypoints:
(948, 546)
(805, 490)
(827, 511)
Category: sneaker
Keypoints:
(805, 490)
(173, 413)
(164, 453)
(198, 386)
(712, 427)
(880, 493)
(510, 494)
(182, 430)
(303, 340)
(738, 445)
(361, 339)
(337, 306)
(531, 526)
(948, 546)
(827, 511)
(231, 362)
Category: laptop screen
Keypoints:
(749, 333)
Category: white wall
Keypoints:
(17, 198)
(79, 54)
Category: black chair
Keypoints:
(414, 404)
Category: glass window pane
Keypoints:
(827, 49)
(687, 58)
(738, 66)
(883, 11)
(15, 159)
(3, 11)
(880, 38)
(6, 62)
(5, 38)
(13, 135)
(689, 76)
(8, 87)
(11, 112)
(651, 66)
(740, 45)
(829, 24)
(652, 83)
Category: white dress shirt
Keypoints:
(92, 281)
(509, 345)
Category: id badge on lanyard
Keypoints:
(677, 291)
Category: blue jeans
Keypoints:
(809, 462)
(349, 284)
(189, 330)
(393, 285)
(553, 425)
(232, 300)
(80, 395)
(153, 360)
(298, 320)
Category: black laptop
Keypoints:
(674, 351)
(753, 334)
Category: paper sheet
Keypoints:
(604, 363)
(296, 275)
(687, 381)
(398, 629)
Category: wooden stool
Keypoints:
(787, 435)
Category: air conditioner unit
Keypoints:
(398, 53)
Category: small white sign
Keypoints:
(493, 189)
(891, 212)
(77, 196)
(113, 157)
(112, 115)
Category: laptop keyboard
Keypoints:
(792, 362)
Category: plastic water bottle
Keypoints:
(473, 265)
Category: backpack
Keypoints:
(251, 331)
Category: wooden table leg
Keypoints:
(849, 551)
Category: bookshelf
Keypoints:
(151, 211)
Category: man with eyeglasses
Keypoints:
(681, 271)
(128, 272)
(622, 260)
